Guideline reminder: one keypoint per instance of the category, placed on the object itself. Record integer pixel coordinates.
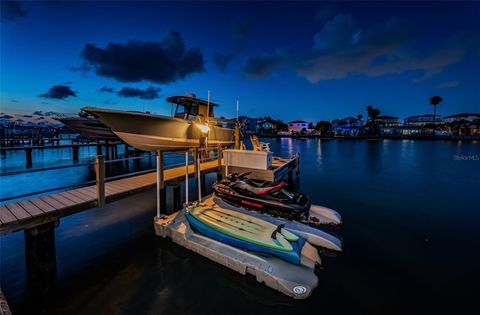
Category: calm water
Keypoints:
(411, 237)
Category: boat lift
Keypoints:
(296, 281)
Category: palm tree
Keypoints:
(435, 100)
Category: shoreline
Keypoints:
(429, 138)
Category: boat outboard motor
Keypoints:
(263, 196)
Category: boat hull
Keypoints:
(89, 128)
(148, 132)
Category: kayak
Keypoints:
(246, 232)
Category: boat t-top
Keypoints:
(192, 122)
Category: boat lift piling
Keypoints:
(161, 193)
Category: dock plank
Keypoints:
(6, 216)
(77, 193)
(88, 192)
(60, 198)
(54, 203)
(114, 187)
(71, 197)
(18, 211)
(42, 205)
(126, 184)
(30, 208)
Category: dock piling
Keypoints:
(177, 199)
(75, 149)
(40, 258)
(186, 177)
(161, 193)
(28, 155)
(100, 177)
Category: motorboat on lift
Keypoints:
(193, 120)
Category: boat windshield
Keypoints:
(189, 111)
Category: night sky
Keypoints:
(308, 60)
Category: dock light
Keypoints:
(203, 128)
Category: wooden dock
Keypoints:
(37, 211)
(38, 216)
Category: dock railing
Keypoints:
(100, 177)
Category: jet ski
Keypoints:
(274, 199)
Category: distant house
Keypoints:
(422, 120)
(266, 126)
(348, 126)
(249, 125)
(463, 116)
(387, 121)
(298, 126)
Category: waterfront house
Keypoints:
(387, 121)
(464, 116)
(422, 120)
(266, 126)
(298, 126)
(348, 126)
(249, 125)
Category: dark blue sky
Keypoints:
(308, 60)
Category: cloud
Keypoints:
(60, 92)
(11, 10)
(222, 61)
(107, 89)
(259, 67)
(342, 49)
(110, 101)
(240, 35)
(448, 84)
(14, 101)
(149, 93)
(160, 62)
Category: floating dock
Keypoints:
(297, 281)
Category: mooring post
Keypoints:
(225, 158)
(290, 176)
(28, 155)
(186, 177)
(100, 177)
(107, 152)
(197, 173)
(75, 149)
(161, 193)
(40, 258)
(219, 162)
(177, 199)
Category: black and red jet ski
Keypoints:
(272, 198)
